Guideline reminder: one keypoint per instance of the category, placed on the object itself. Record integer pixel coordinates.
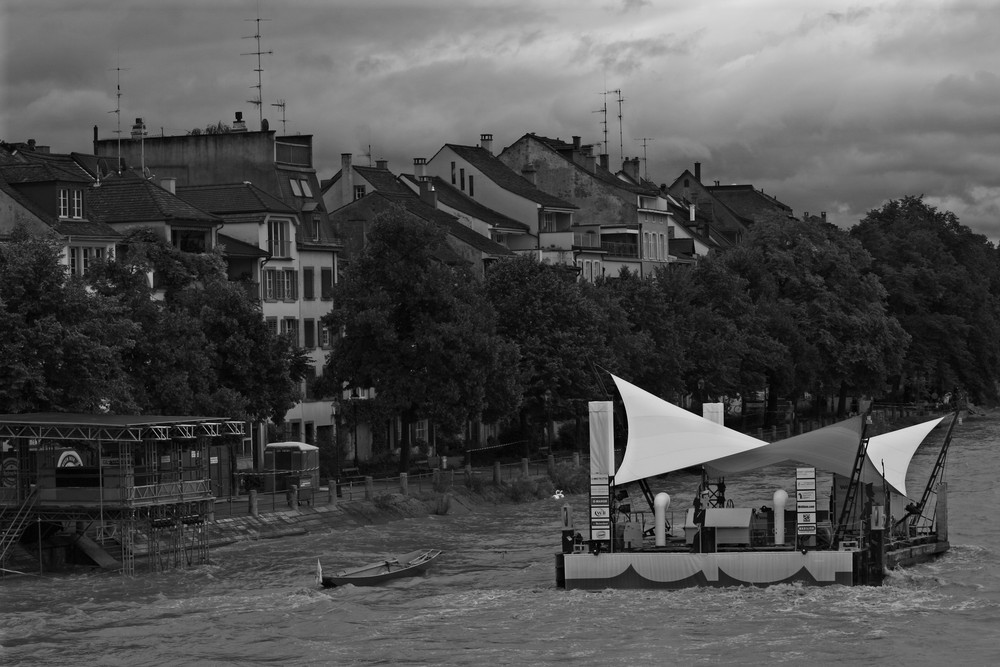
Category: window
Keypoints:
(189, 240)
(326, 283)
(280, 284)
(324, 337)
(80, 258)
(453, 173)
(309, 332)
(64, 202)
(290, 328)
(296, 190)
(290, 153)
(278, 238)
(308, 280)
(472, 190)
(272, 325)
(461, 175)
(548, 222)
(77, 211)
(359, 191)
(306, 190)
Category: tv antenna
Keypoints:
(281, 105)
(621, 139)
(260, 69)
(604, 117)
(645, 168)
(117, 111)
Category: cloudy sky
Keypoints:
(828, 105)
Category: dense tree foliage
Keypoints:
(62, 347)
(418, 331)
(105, 342)
(943, 284)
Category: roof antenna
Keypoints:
(645, 165)
(281, 105)
(260, 69)
(118, 111)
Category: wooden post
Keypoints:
(496, 473)
(524, 467)
(576, 459)
(436, 478)
(404, 483)
(254, 511)
(369, 488)
(552, 465)
(293, 496)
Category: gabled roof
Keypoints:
(565, 150)
(233, 198)
(129, 198)
(38, 222)
(454, 198)
(86, 228)
(746, 201)
(504, 177)
(383, 181)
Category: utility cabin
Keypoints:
(104, 489)
(288, 464)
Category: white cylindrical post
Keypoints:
(780, 498)
(660, 504)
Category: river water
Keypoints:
(491, 598)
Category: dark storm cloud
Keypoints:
(834, 106)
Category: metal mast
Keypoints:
(645, 167)
(621, 139)
(281, 105)
(260, 69)
(118, 113)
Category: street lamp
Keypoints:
(355, 396)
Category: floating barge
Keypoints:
(867, 525)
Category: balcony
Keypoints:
(279, 248)
(615, 249)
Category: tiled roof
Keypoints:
(88, 228)
(237, 248)
(232, 198)
(454, 198)
(746, 201)
(43, 172)
(132, 199)
(505, 177)
(383, 181)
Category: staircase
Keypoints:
(13, 527)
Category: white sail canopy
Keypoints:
(663, 437)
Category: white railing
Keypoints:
(185, 490)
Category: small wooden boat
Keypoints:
(406, 565)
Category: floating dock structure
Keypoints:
(102, 489)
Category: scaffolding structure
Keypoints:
(115, 486)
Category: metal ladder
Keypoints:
(851, 498)
(13, 530)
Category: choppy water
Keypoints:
(491, 599)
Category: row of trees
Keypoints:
(104, 344)
(904, 304)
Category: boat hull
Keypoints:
(407, 565)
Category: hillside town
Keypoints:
(286, 231)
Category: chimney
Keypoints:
(697, 171)
(486, 141)
(239, 125)
(169, 184)
(576, 142)
(605, 161)
(805, 216)
(139, 129)
(631, 168)
(528, 172)
(419, 168)
(428, 194)
(691, 212)
(822, 216)
(382, 164)
(346, 179)
(590, 163)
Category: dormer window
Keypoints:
(359, 191)
(300, 187)
(70, 203)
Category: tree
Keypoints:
(205, 349)
(418, 331)
(823, 301)
(944, 287)
(560, 333)
(62, 347)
